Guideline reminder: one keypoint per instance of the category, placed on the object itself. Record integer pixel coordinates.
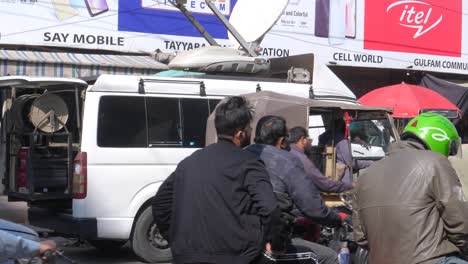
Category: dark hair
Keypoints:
(232, 115)
(408, 136)
(296, 133)
(269, 129)
(340, 124)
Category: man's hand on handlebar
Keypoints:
(268, 247)
(47, 246)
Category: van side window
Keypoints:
(195, 115)
(316, 127)
(121, 122)
(213, 104)
(164, 122)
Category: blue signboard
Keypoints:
(160, 17)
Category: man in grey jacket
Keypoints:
(301, 143)
(289, 180)
(410, 207)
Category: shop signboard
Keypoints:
(402, 34)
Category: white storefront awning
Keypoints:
(68, 64)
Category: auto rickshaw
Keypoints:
(368, 130)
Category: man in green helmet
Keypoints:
(409, 206)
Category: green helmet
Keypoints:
(435, 131)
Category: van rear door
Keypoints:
(40, 134)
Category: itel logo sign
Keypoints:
(416, 14)
(427, 27)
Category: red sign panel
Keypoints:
(427, 26)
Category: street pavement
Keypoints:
(13, 211)
(82, 252)
(89, 255)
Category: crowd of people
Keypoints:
(236, 202)
(232, 202)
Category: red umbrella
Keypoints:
(407, 100)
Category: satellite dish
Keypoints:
(219, 59)
(49, 113)
(254, 18)
(19, 113)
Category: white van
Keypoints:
(88, 160)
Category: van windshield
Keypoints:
(370, 138)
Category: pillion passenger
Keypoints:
(292, 186)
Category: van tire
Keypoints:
(147, 243)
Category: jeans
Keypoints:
(452, 260)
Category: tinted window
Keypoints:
(121, 122)
(164, 127)
(213, 104)
(375, 133)
(195, 115)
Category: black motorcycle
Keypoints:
(333, 238)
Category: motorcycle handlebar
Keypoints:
(49, 257)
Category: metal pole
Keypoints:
(78, 113)
(195, 23)
(231, 29)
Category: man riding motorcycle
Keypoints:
(410, 207)
(16, 243)
(292, 186)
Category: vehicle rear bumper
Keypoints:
(63, 223)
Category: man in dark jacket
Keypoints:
(218, 206)
(301, 143)
(410, 207)
(288, 178)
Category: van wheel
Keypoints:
(147, 242)
(107, 245)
